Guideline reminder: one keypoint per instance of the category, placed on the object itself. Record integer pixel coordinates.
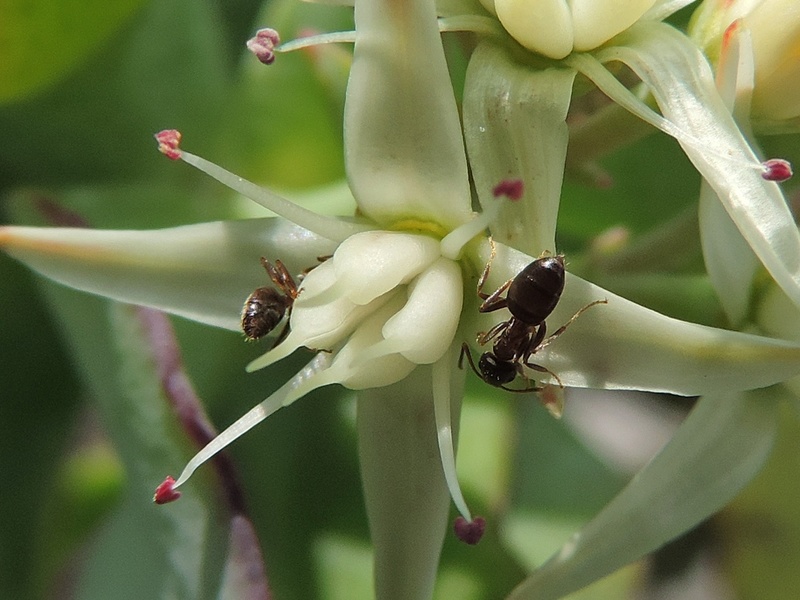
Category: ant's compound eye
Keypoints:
(496, 372)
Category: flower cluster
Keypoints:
(388, 296)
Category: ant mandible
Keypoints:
(266, 306)
(532, 295)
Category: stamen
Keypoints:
(444, 429)
(284, 396)
(166, 492)
(469, 532)
(263, 45)
(472, 23)
(777, 169)
(453, 243)
(347, 37)
(331, 228)
(594, 70)
(168, 142)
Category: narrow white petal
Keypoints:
(681, 82)
(404, 151)
(202, 272)
(515, 128)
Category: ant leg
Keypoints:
(487, 336)
(281, 277)
(542, 369)
(549, 340)
(533, 346)
(525, 390)
(465, 351)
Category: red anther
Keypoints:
(168, 143)
(777, 169)
(731, 30)
(469, 532)
(510, 188)
(166, 492)
(263, 45)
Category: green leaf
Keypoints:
(42, 41)
(135, 554)
(719, 448)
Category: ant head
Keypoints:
(496, 372)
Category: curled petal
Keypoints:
(425, 326)
(372, 263)
(681, 82)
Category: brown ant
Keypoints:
(532, 295)
(266, 306)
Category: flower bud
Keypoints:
(557, 27)
(774, 27)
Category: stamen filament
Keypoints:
(334, 37)
(333, 229)
(453, 243)
(594, 70)
(284, 396)
(444, 429)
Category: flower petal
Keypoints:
(202, 272)
(371, 263)
(515, 128)
(622, 345)
(720, 447)
(681, 82)
(425, 326)
(404, 151)
(404, 488)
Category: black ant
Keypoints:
(266, 306)
(532, 295)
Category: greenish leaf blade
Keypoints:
(720, 447)
(43, 41)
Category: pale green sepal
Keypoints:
(720, 447)
(682, 84)
(730, 262)
(404, 152)
(729, 259)
(664, 8)
(622, 345)
(203, 272)
(515, 128)
(404, 487)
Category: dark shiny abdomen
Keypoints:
(534, 293)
